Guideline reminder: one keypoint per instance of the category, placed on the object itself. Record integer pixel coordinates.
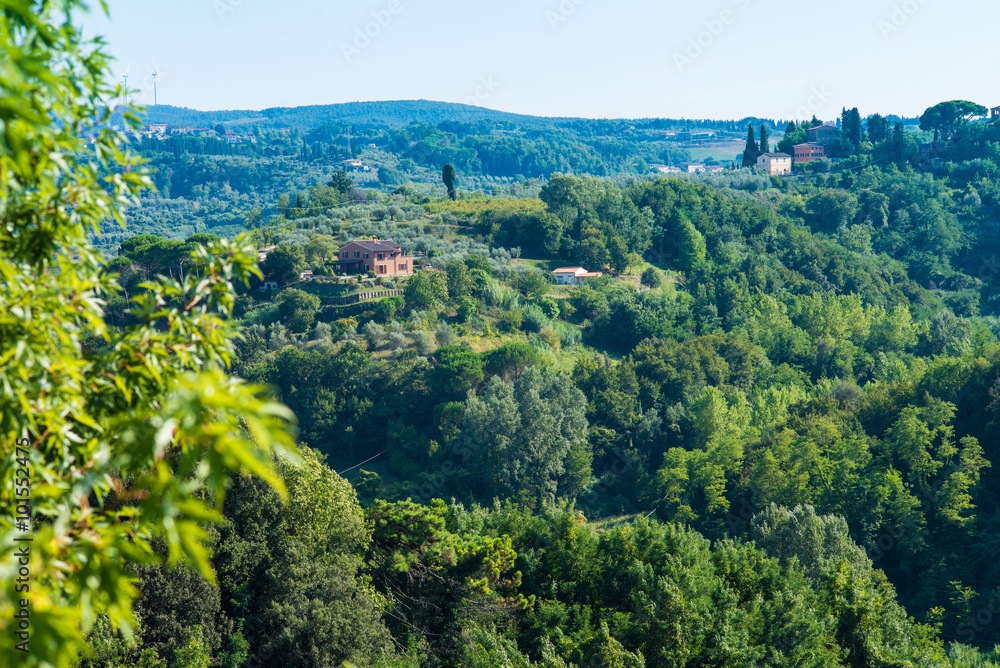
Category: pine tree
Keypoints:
(765, 142)
(790, 128)
(752, 152)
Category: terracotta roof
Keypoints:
(377, 246)
(776, 155)
(568, 270)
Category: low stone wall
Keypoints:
(359, 297)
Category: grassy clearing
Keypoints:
(722, 151)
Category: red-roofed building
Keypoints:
(574, 275)
(809, 152)
(385, 258)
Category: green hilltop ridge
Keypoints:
(396, 113)
(393, 114)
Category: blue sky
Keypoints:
(591, 58)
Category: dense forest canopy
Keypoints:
(800, 370)
(762, 431)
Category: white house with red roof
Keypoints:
(574, 275)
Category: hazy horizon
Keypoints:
(725, 59)
(504, 111)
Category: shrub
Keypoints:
(424, 341)
(569, 336)
(652, 278)
(445, 334)
(551, 338)
(426, 289)
(387, 308)
(397, 341)
(350, 334)
(534, 319)
(375, 333)
(467, 307)
(511, 320)
(262, 315)
(532, 284)
(279, 337)
(297, 309)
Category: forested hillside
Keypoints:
(393, 114)
(766, 434)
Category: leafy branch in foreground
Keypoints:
(121, 437)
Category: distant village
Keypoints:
(775, 164)
(163, 131)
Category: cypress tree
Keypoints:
(448, 176)
(855, 128)
(751, 153)
(765, 141)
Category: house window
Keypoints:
(345, 254)
(366, 256)
(357, 254)
(402, 267)
(381, 256)
(367, 267)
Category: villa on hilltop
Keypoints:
(385, 258)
